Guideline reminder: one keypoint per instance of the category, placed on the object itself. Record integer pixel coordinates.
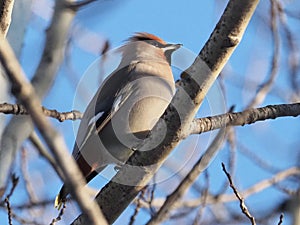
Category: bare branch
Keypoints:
(61, 212)
(257, 160)
(18, 109)
(198, 126)
(23, 220)
(239, 197)
(266, 86)
(9, 211)
(35, 140)
(292, 50)
(204, 193)
(19, 24)
(246, 117)
(28, 187)
(41, 203)
(14, 181)
(27, 95)
(137, 208)
(280, 219)
(6, 8)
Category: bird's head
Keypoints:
(145, 46)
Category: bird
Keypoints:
(126, 106)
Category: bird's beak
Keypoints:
(169, 49)
(177, 46)
(172, 47)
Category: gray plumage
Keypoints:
(126, 106)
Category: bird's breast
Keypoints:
(142, 108)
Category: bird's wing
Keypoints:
(119, 100)
(102, 107)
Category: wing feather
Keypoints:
(101, 104)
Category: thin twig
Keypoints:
(18, 109)
(38, 204)
(104, 56)
(266, 86)
(239, 197)
(231, 139)
(28, 187)
(9, 211)
(137, 208)
(281, 219)
(61, 213)
(152, 192)
(293, 58)
(22, 220)
(14, 180)
(260, 162)
(248, 116)
(41, 148)
(203, 204)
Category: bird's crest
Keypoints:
(144, 36)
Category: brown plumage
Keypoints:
(126, 106)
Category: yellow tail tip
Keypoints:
(58, 202)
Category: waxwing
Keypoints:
(126, 106)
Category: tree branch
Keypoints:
(264, 88)
(6, 8)
(248, 116)
(18, 109)
(197, 126)
(35, 140)
(239, 197)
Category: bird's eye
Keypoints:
(156, 44)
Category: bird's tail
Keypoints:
(61, 197)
